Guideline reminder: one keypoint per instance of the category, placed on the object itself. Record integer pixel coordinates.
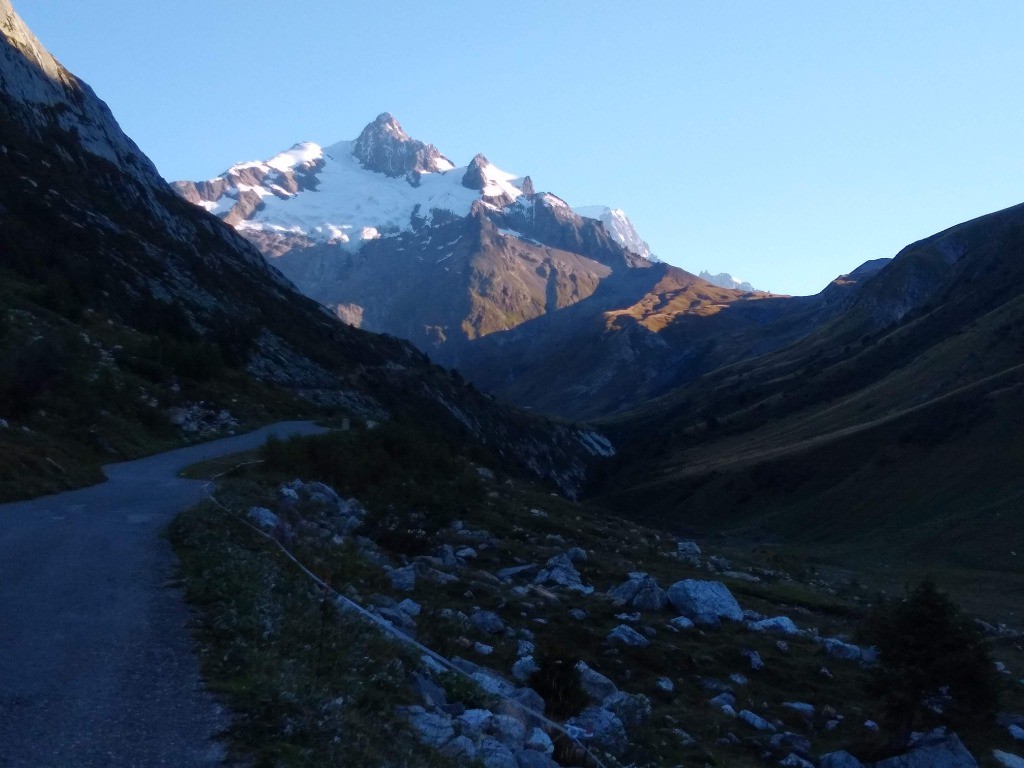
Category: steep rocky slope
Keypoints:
(95, 247)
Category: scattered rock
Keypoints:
(841, 759)
(487, 622)
(756, 662)
(578, 613)
(432, 694)
(473, 722)
(937, 749)
(509, 730)
(528, 758)
(681, 622)
(629, 588)
(528, 698)
(805, 709)
(507, 573)
(576, 554)
(397, 618)
(492, 683)
(790, 742)
(687, 549)
(793, 760)
(322, 493)
(403, 579)
(626, 635)
(605, 729)
(410, 607)
(1008, 760)
(755, 721)
(595, 685)
(446, 555)
(633, 709)
(665, 684)
(720, 563)
(641, 591)
(1016, 732)
(263, 518)
(493, 754)
(838, 649)
(561, 572)
(724, 699)
(704, 601)
(431, 729)
(540, 742)
(524, 668)
(780, 624)
(651, 597)
(461, 748)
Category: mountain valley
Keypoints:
(570, 505)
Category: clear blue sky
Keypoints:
(785, 142)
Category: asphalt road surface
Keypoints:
(96, 664)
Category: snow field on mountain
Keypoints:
(352, 204)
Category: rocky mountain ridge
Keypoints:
(92, 236)
(484, 273)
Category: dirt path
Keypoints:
(96, 664)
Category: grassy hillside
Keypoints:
(876, 443)
(427, 502)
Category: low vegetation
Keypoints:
(497, 522)
(935, 666)
(76, 395)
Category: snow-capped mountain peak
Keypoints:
(490, 181)
(619, 227)
(384, 147)
(725, 280)
(383, 182)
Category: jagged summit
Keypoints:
(385, 123)
(384, 147)
(475, 176)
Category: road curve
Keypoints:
(96, 664)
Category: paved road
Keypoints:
(96, 664)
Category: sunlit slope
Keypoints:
(894, 430)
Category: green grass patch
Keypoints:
(310, 686)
